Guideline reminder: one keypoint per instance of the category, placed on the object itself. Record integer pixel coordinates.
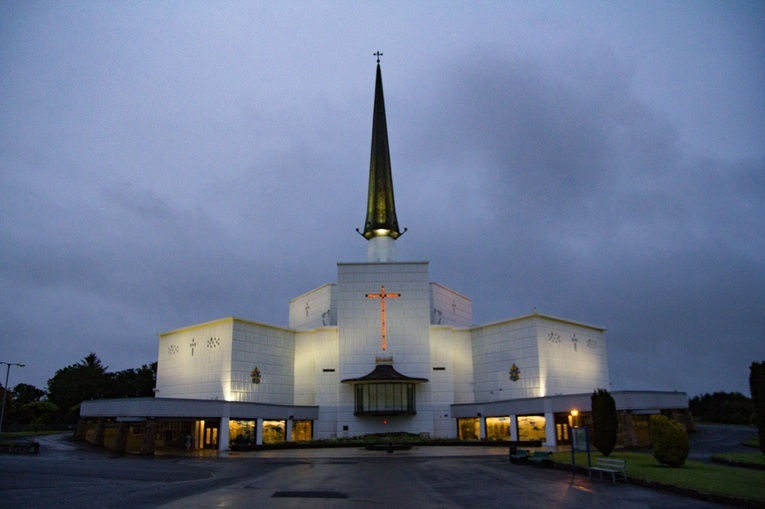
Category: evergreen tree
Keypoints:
(133, 383)
(757, 388)
(722, 407)
(87, 379)
(605, 421)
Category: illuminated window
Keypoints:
(531, 428)
(498, 428)
(302, 431)
(384, 399)
(274, 432)
(241, 432)
(469, 429)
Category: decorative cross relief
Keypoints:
(382, 296)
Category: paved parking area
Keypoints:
(71, 475)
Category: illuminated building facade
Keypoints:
(382, 350)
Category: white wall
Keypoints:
(451, 375)
(496, 347)
(270, 349)
(408, 338)
(317, 308)
(448, 307)
(194, 362)
(573, 357)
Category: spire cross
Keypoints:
(382, 296)
(378, 55)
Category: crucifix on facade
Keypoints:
(382, 296)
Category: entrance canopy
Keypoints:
(384, 373)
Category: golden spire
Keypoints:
(381, 207)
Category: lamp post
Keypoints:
(5, 390)
(580, 441)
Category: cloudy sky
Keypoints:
(168, 163)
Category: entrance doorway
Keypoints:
(210, 435)
(562, 431)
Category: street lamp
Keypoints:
(5, 389)
(580, 440)
(573, 420)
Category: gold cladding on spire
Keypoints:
(381, 208)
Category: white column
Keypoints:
(199, 431)
(482, 427)
(550, 435)
(223, 434)
(381, 249)
(513, 428)
(288, 431)
(259, 432)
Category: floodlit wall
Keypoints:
(272, 351)
(317, 308)
(216, 360)
(195, 362)
(572, 357)
(408, 339)
(497, 347)
(451, 375)
(448, 307)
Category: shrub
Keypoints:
(605, 422)
(670, 441)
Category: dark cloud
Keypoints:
(583, 205)
(172, 166)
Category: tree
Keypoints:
(670, 441)
(19, 396)
(133, 383)
(757, 388)
(87, 379)
(605, 422)
(26, 393)
(39, 412)
(722, 407)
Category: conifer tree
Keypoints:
(605, 422)
(757, 388)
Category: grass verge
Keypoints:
(694, 475)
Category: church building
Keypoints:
(382, 350)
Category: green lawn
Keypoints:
(703, 477)
(756, 458)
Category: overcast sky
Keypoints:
(168, 163)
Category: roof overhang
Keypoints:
(384, 373)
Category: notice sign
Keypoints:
(579, 440)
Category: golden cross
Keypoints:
(382, 296)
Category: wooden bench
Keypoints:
(541, 458)
(614, 468)
(520, 456)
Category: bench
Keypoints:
(614, 468)
(541, 458)
(520, 456)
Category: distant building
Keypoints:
(382, 350)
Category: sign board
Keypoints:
(579, 439)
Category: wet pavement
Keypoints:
(68, 474)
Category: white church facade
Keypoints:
(381, 350)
